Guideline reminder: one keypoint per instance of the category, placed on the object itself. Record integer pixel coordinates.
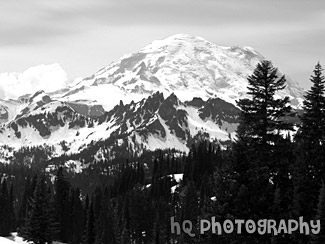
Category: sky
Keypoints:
(83, 36)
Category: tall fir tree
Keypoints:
(139, 211)
(105, 227)
(320, 237)
(311, 135)
(23, 208)
(6, 210)
(40, 225)
(77, 218)
(63, 205)
(12, 201)
(310, 139)
(312, 128)
(262, 116)
(262, 121)
(89, 233)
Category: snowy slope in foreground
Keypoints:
(4, 240)
(16, 239)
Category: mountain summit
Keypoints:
(188, 66)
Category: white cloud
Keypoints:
(43, 77)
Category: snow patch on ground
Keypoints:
(14, 238)
(178, 178)
(4, 240)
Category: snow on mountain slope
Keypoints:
(185, 65)
(106, 95)
(9, 110)
(196, 124)
(163, 96)
(152, 123)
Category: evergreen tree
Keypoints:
(262, 116)
(12, 201)
(190, 210)
(90, 235)
(125, 222)
(313, 119)
(262, 120)
(6, 210)
(312, 131)
(40, 225)
(309, 167)
(305, 189)
(63, 205)
(320, 238)
(77, 218)
(23, 208)
(85, 216)
(105, 232)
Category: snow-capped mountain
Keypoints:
(185, 65)
(163, 96)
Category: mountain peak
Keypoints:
(182, 41)
(185, 37)
(177, 41)
(188, 66)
